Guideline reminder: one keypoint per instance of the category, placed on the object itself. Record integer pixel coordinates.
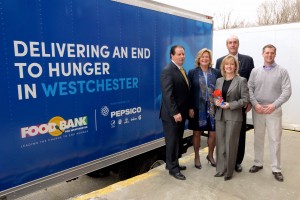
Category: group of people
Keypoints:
(193, 96)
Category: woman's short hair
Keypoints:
(225, 61)
(200, 53)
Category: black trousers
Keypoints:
(242, 140)
(173, 137)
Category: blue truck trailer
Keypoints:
(80, 86)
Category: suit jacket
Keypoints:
(237, 96)
(246, 65)
(195, 87)
(175, 93)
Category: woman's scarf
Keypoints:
(206, 104)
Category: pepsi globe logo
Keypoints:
(104, 111)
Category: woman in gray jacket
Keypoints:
(235, 95)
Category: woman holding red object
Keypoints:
(229, 115)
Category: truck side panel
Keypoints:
(80, 81)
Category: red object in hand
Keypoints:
(218, 94)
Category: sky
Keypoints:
(241, 9)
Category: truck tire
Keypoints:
(139, 165)
(125, 170)
(144, 163)
(100, 173)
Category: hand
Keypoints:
(178, 118)
(268, 109)
(248, 107)
(225, 106)
(217, 102)
(191, 113)
(259, 109)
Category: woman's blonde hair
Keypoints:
(226, 60)
(200, 53)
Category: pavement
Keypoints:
(201, 184)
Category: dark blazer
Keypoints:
(246, 65)
(195, 87)
(175, 92)
(237, 96)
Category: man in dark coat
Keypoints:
(174, 109)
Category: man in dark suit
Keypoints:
(246, 65)
(174, 109)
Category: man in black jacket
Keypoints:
(246, 65)
(174, 109)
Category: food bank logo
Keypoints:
(55, 127)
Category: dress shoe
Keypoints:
(177, 175)
(278, 176)
(198, 166)
(180, 167)
(227, 178)
(219, 174)
(255, 169)
(210, 161)
(238, 168)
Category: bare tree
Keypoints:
(266, 12)
(278, 12)
(269, 12)
(296, 11)
(227, 21)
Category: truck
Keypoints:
(285, 38)
(80, 87)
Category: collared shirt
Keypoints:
(176, 64)
(270, 66)
(182, 72)
(236, 56)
